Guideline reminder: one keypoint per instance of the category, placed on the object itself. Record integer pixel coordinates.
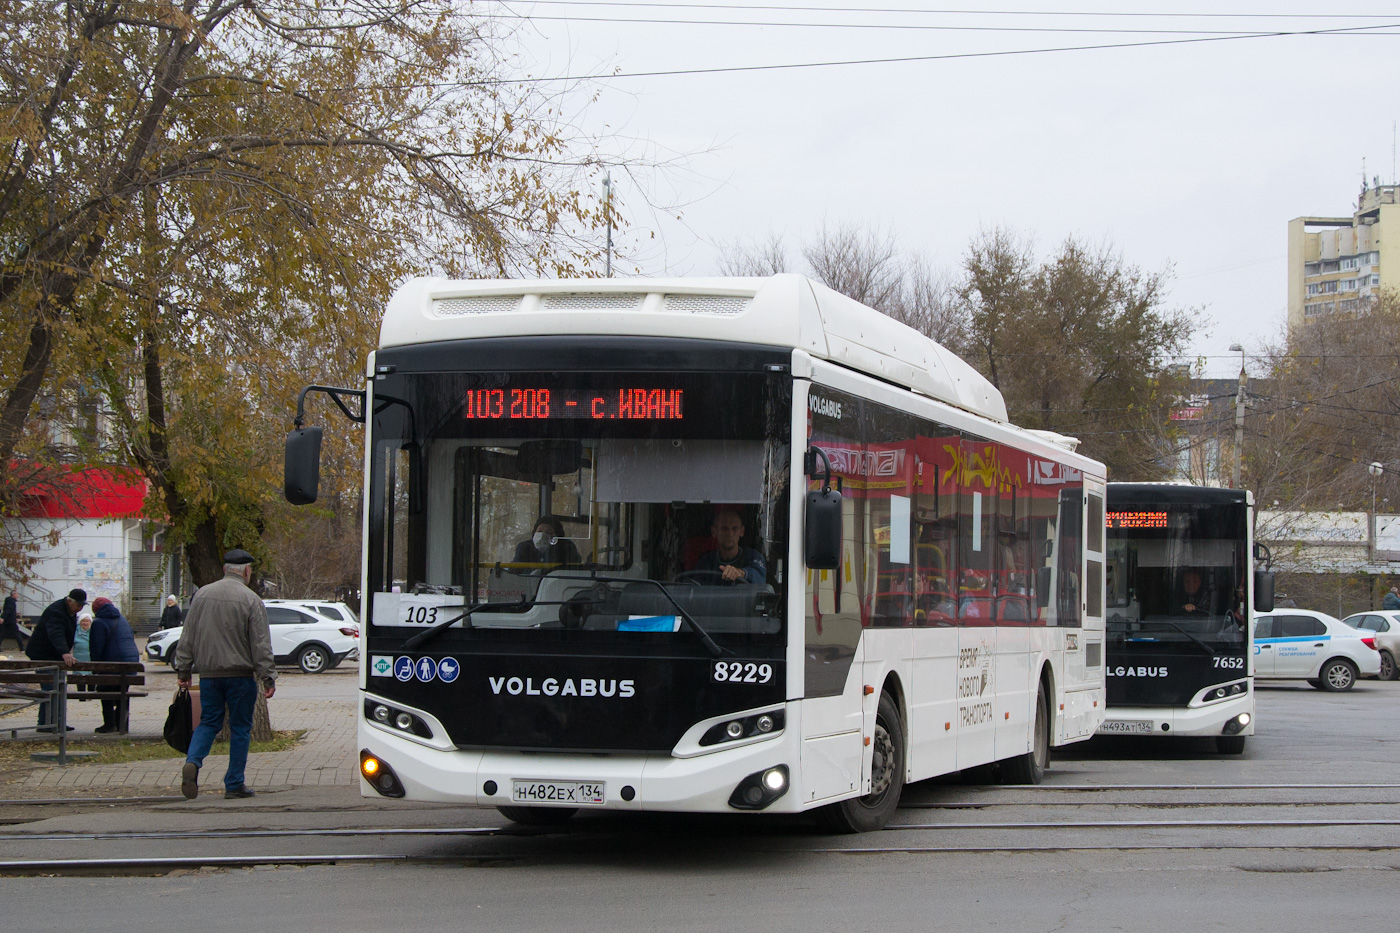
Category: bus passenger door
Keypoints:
(977, 683)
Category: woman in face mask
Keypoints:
(547, 545)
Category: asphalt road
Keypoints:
(1124, 835)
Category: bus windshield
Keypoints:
(1175, 577)
(595, 506)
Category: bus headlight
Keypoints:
(760, 789)
(1236, 725)
(381, 713)
(759, 724)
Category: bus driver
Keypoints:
(732, 562)
(1194, 600)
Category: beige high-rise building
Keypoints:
(1337, 265)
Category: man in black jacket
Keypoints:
(53, 638)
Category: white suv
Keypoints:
(312, 634)
(1300, 644)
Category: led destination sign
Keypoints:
(538, 404)
(1137, 519)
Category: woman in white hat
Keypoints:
(171, 616)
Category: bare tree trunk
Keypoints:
(262, 722)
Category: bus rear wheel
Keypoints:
(873, 811)
(538, 816)
(1030, 767)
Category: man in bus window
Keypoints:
(730, 561)
(1194, 599)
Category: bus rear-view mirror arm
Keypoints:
(301, 479)
(301, 476)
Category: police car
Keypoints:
(1299, 644)
(1384, 625)
(315, 636)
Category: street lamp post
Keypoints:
(1239, 418)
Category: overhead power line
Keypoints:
(893, 27)
(923, 11)
(951, 56)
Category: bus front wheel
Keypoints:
(1030, 767)
(873, 811)
(1229, 744)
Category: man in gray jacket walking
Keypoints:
(227, 641)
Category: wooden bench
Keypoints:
(34, 682)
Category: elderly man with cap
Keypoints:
(226, 640)
(53, 639)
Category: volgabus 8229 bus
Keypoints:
(705, 545)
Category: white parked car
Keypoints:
(314, 635)
(1385, 626)
(1299, 644)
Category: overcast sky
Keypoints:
(1193, 155)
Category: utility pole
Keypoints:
(1239, 419)
(607, 212)
(1375, 469)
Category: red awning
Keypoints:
(95, 492)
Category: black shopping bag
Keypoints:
(179, 722)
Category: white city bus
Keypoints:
(705, 545)
(1181, 592)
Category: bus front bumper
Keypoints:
(701, 784)
(1209, 720)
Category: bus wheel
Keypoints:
(1229, 744)
(1338, 674)
(538, 816)
(1030, 767)
(873, 811)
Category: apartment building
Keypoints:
(1338, 265)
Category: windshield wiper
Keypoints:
(710, 644)
(713, 647)
(425, 636)
(705, 638)
(1208, 649)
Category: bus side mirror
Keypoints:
(1263, 591)
(823, 529)
(822, 518)
(302, 468)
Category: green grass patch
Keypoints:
(121, 749)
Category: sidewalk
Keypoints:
(323, 705)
